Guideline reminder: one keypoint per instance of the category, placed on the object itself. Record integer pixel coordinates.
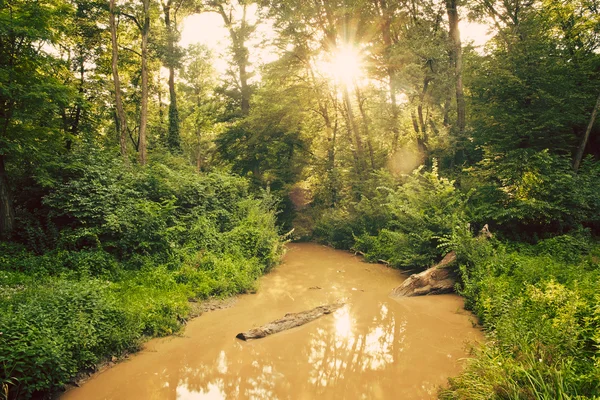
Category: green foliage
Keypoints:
(402, 226)
(54, 328)
(535, 192)
(540, 312)
(133, 246)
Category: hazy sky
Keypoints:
(208, 28)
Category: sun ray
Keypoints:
(345, 66)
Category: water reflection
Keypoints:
(372, 348)
(341, 348)
(354, 347)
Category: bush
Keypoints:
(133, 246)
(529, 194)
(540, 308)
(51, 330)
(403, 225)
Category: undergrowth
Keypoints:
(114, 255)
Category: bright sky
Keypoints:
(476, 32)
(208, 29)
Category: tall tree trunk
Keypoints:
(421, 136)
(161, 115)
(173, 137)
(352, 126)
(121, 118)
(244, 88)
(388, 41)
(365, 123)
(144, 100)
(422, 120)
(332, 166)
(456, 61)
(240, 53)
(331, 129)
(243, 62)
(7, 210)
(586, 136)
(395, 113)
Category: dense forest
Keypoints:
(137, 180)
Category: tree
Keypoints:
(200, 108)
(171, 61)
(586, 136)
(121, 117)
(31, 96)
(456, 62)
(142, 22)
(239, 31)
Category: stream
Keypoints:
(374, 347)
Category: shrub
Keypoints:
(402, 225)
(528, 193)
(540, 308)
(133, 246)
(53, 329)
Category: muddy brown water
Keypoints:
(375, 347)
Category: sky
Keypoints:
(208, 29)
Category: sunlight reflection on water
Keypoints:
(372, 348)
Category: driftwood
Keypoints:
(289, 321)
(439, 279)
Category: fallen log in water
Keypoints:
(289, 321)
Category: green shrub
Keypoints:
(528, 194)
(335, 227)
(133, 246)
(539, 305)
(401, 225)
(53, 329)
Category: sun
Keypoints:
(344, 65)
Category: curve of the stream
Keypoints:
(375, 347)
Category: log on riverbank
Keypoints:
(289, 321)
(439, 279)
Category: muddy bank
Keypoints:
(373, 347)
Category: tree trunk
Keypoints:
(244, 86)
(388, 41)
(581, 150)
(7, 210)
(240, 54)
(331, 130)
(456, 61)
(395, 113)
(121, 118)
(351, 120)
(144, 100)
(422, 121)
(161, 115)
(243, 62)
(289, 321)
(365, 121)
(173, 137)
